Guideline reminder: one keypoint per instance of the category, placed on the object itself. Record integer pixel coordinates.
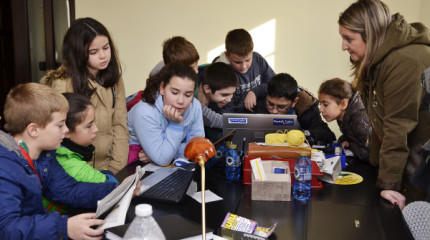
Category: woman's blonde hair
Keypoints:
(369, 18)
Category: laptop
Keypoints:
(253, 127)
(167, 184)
(329, 220)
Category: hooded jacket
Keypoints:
(112, 138)
(22, 215)
(393, 97)
(163, 140)
(355, 128)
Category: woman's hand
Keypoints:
(171, 114)
(394, 197)
(79, 227)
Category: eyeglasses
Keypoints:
(279, 108)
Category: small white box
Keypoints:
(277, 187)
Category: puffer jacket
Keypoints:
(393, 97)
(355, 128)
(22, 215)
(112, 138)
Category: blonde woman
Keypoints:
(389, 57)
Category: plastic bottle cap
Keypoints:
(303, 154)
(143, 210)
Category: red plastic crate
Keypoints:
(315, 183)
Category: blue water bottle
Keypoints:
(218, 158)
(232, 163)
(302, 177)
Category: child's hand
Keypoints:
(79, 227)
(394, 197)
(143, 157)
(250, 101)
(171, 114)
(136, 191)
(345, 144)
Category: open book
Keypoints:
(118, 201)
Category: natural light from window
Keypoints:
(264, 43)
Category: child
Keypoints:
(341, 103)
(167, 117)
(35, 117)
(284, 96)
(175, 49)
(219, 83)
(76, 149)
(91, 68)
(251, 69)
(178, 49)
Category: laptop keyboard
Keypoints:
(172, 188)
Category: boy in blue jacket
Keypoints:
(35, 117)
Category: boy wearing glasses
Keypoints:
(284, 96)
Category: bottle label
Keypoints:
(303, 173)
(232, 161)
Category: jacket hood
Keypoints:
(400, 34)
(9, 143)
(354, 106)
(60, 73)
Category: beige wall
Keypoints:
(302, 37)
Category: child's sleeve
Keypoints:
(147, 125)
(62, 188)
(79, 170)
(266, 73)
(211, 118)
(120, 131)
(14, 225)
(196, 129)
(360, 127)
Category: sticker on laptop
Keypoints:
(283, 122)
(238, 120)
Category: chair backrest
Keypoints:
(417, 216)
(133, 99)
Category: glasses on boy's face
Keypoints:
(279, 108)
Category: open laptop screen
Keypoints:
(253, 127)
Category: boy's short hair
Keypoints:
(179, 49)
(239, 42)
(219, 76)
(282, 85)
(32, 103)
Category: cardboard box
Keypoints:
(315, 182)
(277, 187)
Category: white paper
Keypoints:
(258, 169)
(151, 167)
(209, 196)
(192, 188)
(120, 197)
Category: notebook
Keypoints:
(328, 220)
(254, 127)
